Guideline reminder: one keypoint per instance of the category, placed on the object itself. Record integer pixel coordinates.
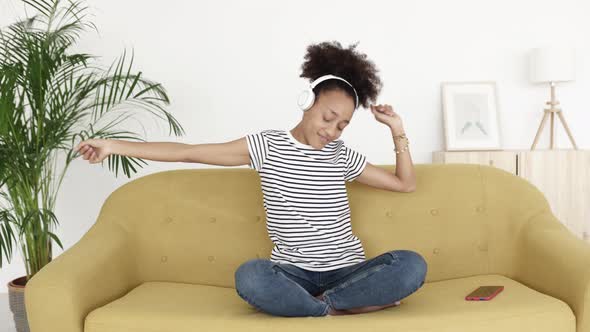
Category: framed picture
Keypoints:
(470, 116)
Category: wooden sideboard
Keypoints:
(563, 175)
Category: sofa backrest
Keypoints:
(199, 225)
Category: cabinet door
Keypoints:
(563, 177)
(506, 160)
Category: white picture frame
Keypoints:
(470, 116)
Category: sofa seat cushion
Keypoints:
(437, 306)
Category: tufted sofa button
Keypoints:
(258, 218)
(164, 259)
(211, 258)
(213, 219)
(388, 213)
(480, 209)
(436, 250)
(168, 220)
(257, 255)
(434, 212)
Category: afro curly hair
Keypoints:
(331, 58)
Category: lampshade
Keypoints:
(552, 64)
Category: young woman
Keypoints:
(317, 265)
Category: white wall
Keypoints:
(232, 68)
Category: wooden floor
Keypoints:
(6, 320)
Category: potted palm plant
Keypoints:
(50, 100)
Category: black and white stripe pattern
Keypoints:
(305, 198)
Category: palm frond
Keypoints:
(7, 237)
(44, 7)
(49, 98)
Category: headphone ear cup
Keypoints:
(306, 99)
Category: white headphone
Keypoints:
(307, 97)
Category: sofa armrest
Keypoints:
(552, 260)
(98, 269)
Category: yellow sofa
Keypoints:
(164, 249)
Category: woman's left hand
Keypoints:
(386, 115)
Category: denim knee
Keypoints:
(248, 275)
(416, 266)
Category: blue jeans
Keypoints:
(287, 290)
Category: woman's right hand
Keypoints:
(94, 150)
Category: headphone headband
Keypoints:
(329, 76)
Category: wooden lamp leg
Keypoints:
(553, 109)
(551, 133)
(541, 126)
(567, 129)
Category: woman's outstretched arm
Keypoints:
(233, 153)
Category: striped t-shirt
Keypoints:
(305, 199)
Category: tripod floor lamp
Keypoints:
(552, 65)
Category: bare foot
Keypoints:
(360, 310)
(363, 310)
(334, 312)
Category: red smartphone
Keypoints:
(484, 293)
